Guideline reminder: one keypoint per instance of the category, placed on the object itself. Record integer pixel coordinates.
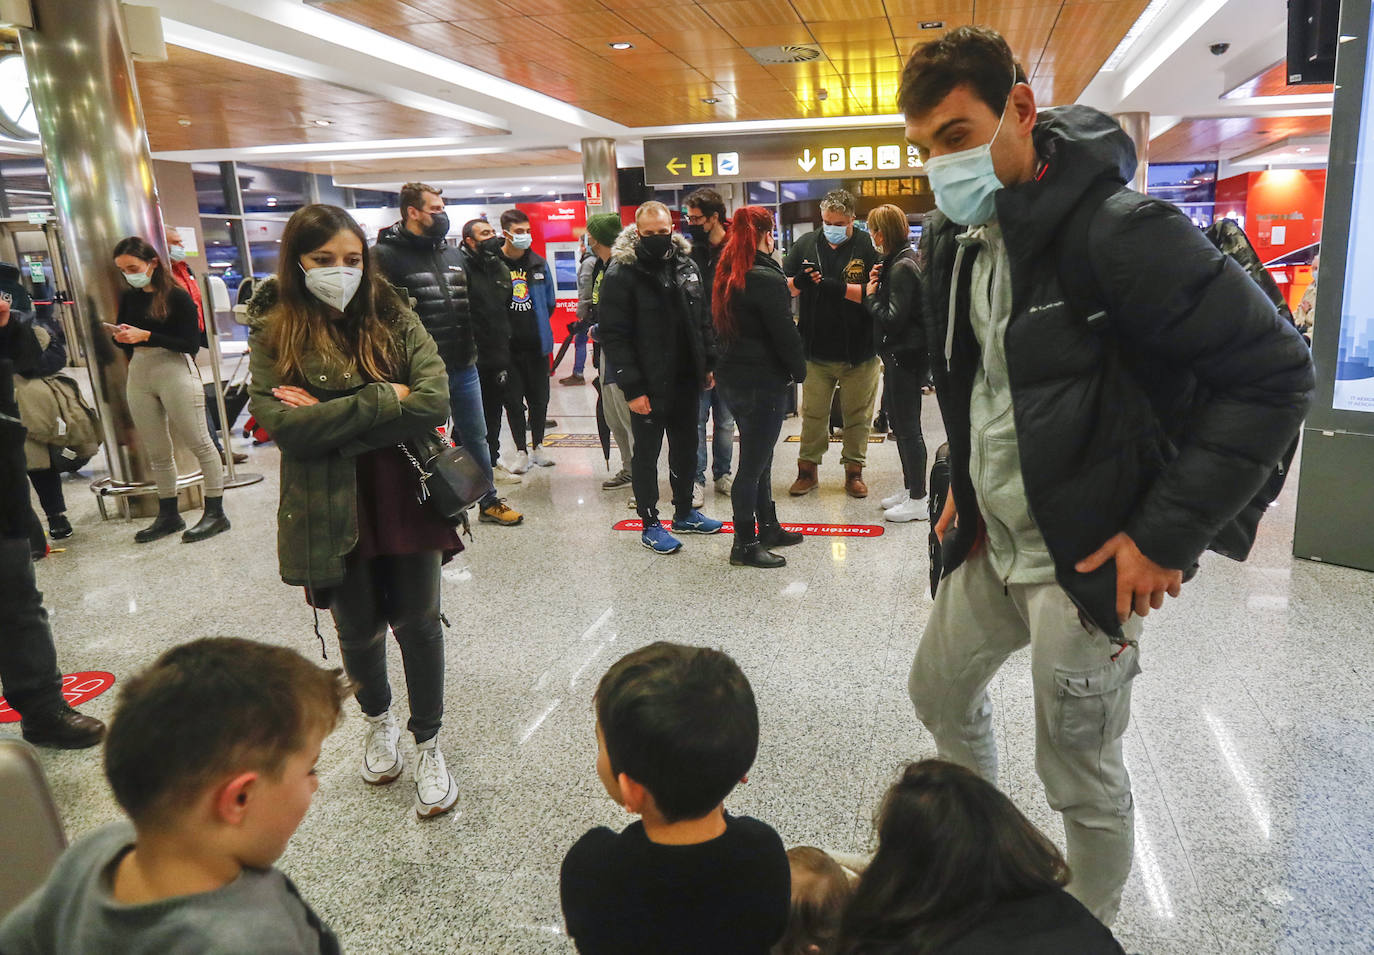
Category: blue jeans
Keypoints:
(579, 353)
(722, 442)
(469, 423)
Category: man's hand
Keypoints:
(1140, 583)
(710, 380)
(640, 405)
(948, 516)
(294, 397)
(4, 312)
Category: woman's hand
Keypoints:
(294, 397)
(640, 405)
(402, 391)
(128, 335)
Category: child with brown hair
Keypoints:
(212, 754)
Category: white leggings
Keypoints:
(167, 400)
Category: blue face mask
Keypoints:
(521, 240)
(835, 234)
(965, 183)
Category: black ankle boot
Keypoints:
(59, 528)
(168, 522)
(771, 533)
(754, 554)
(212, 522)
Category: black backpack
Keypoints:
(1173, 408)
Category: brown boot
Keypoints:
(854, 484)
(806, 478)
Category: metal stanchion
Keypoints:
(232, 478)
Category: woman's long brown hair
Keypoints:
(162, 283)
(302, 325)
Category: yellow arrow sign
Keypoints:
(675, 167)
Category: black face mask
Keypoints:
(697, 233)
(492, 245)
(655, 248)
(438, 228)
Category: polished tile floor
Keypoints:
(1252, 747)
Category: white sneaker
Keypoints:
(500, 475)
(698, 495)
(540, 458)
(723, 484)
(520, 465)
(382, 762)
(912, 509)
(892, 500)
(435, 790)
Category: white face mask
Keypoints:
(335, 285)
(138, 279)
(176, 253)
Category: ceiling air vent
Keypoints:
(792, 53)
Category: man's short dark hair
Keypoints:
(681, 721)
(976, 57)
(413, 196)
(212, 707)
(708, 201)
(513, 217)
(472, 224)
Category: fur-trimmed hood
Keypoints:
(626, 248)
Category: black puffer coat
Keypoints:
(1100, 453)
(489, 288)
(431, 273)
(896, 309)
(639, 308)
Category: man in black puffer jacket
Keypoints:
(1095, 454)
(655, 327)
(414, 255)
(29, 677)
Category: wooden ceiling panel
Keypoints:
(861, 32)
(685, 18)
(953, 12)
(377, 13)
(771, 35)
(601, 45)
(1202, 140)
(751, 13)
(437, 36)
(574, 25)
(714, 42)
(839, 10)
(509, 30)
(1274, 82)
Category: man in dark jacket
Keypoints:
(708, 227)
(414, 255)
(1094, 454)
(29, 677)
(829, 269)
(656, 332)
(533, 301)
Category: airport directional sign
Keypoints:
(809, 154)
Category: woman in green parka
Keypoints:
(342, 373)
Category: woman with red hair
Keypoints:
(760, 355)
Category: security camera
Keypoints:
(1219, 49)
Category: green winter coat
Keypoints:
(317, 518)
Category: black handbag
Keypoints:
(450, 480)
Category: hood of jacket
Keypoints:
(398, 234)
(1078, 145)
(626, 248)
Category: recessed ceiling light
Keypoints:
(508, 195)
(183, 122)
(621, 45)
(525, 189)
(710, 100)
(323, 122)
(1304, 149)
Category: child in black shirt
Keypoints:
(676, 730)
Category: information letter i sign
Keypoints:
(593, 193)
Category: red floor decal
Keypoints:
(78, 688)
(810, 530)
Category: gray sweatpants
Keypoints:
(617, 412)
(167, 400)
(1082, 707)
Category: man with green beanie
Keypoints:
(608, 225)
(602, 231)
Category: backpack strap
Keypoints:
(1074, 245)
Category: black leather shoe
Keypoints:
(168, 522)
(63, 728)
(207, 526)
(59, 528)
(755, 554)
(773, 535)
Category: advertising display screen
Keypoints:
(1354, 377)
